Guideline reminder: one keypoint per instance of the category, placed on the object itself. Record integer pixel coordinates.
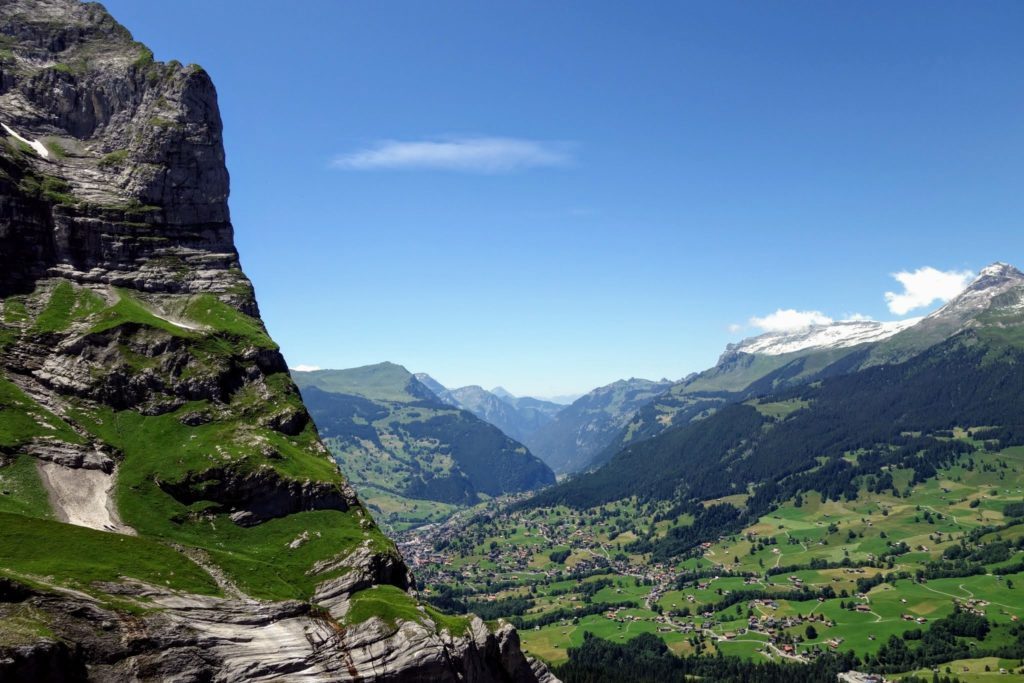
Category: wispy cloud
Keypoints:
(305, 368)
(925, 286)
(788, 320)
(466, 154)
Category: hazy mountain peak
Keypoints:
(502, 392)
(436, 387)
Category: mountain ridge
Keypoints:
(391, 432)
(992, 301)
(764, 363)
(518, 416)
(584, 428)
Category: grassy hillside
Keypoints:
(414, 458)
(171, 454)
(383, 381)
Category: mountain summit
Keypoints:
(998, 287)
(980, 296)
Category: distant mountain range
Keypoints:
(781, 413)
(564, 437)
(519, 417)
(585, 428)
(595, 427)
(776, 360)
(393, 436)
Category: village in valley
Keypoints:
(813, 576)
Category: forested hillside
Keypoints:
(819, 437)
(412, 456)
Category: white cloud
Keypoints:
(857, 318)
(735, 328)
(788, 320)
(468, 154)
(305, 368)
(925, 286)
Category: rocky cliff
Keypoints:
(167, 510)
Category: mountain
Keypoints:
(383, 381)
(582, 430)
(167, 509)
(565, 437)
(746, 369)
(436, 387)
(504, 394)
(993, 299)
(534, 413)
(837, 335)
(827, 434)
(519, 417)
(848, 482)
(394, 437)
(779, 359)
(488, 407)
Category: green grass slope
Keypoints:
(413, 457)
(173, 455)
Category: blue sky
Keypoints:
(552, 196)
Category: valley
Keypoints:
(414, 457)
(829, 504)
(857, 572)
(187, 495)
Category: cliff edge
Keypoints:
(167, 509)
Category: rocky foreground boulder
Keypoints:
(167, 510)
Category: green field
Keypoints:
(502, 555)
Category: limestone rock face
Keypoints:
(133, 149)
(148, 399)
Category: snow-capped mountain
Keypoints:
(998, 288)
(994, 288)
(836, 335)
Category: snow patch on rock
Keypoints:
(39, 147)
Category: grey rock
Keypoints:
(90, 457)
